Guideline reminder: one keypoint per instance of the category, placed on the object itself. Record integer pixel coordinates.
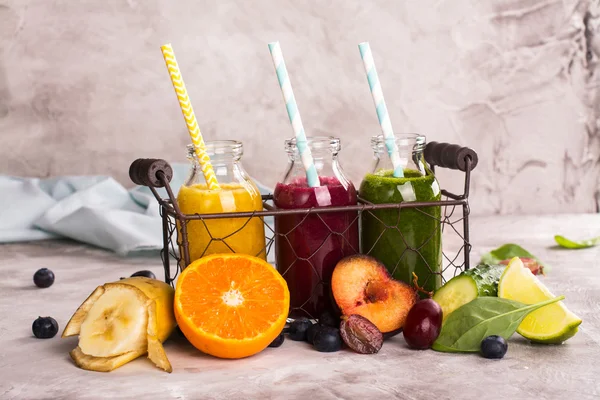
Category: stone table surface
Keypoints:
(31, 368)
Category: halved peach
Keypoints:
(362, 285)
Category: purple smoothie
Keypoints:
(313, 244)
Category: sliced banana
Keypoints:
(120, 321)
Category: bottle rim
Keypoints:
(315, 143)
(216, 148)
(413, 141)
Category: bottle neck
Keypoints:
(409, 148)
(324, 151)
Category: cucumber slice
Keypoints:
(487, 278)
(457, 292)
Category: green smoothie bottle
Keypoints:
(408, 239)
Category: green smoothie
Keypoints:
(413, 241)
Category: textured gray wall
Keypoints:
(84, 89)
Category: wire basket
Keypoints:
(453, 220)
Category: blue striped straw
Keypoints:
(381, 108)
(292, 109)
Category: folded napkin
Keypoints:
(91, 209)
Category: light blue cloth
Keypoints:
(91, 209)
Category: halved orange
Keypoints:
(231, 305)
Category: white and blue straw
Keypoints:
(292, 109)
(381, 108)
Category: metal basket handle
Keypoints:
(450, 156)
(145, 172)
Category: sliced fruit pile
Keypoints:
(235, 306)
(476, 320)
(121, 321)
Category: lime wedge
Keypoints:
(553, 323)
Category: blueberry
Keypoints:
(278, 341)
(298, 329)
(44, 327)
(327, 340)
(327, 319)
(493, 347)
(43, 278)
(145, 273)
(311, 332)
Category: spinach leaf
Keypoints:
(505, 252)
(508, 251)
(582, 244)
(468, 325)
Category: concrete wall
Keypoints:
(84, 89)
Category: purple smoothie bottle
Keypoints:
(307, 247)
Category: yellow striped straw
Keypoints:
(189, 116)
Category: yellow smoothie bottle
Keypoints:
(237, 193)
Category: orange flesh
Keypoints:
(231, 298)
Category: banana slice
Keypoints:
(116, 323)
(120, 321)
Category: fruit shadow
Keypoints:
(560, 248)
(28, 288)
(178, 342)
(55, 346)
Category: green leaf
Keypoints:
(468, 325)
(508, 251)
(505, 252)
(570, 244)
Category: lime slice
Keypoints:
(553, 323)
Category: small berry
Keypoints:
(144, 273)
(327, 340)
(43, 278)
(278, 341)
(298, 329)
(494, 347)
(44, 327)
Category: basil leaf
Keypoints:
(570, 244)
(468, 325)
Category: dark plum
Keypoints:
(43, 278)
(311, 332)
(298, 328)
(328, 319)
(423, 324)
(494, 347)
(145, 274)
(327, 340)
(278, 341)
(44, 327)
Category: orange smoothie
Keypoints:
(228, 234)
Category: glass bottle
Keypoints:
(237, 193)
(409, 239)
(307, 247)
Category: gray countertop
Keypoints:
(31, 368)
